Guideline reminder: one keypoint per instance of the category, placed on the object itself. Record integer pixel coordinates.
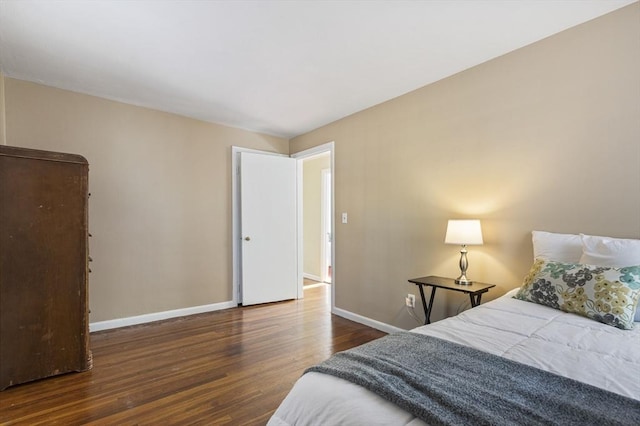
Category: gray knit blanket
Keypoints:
(444, 383)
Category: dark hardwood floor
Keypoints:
(226, 367)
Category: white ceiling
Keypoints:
(278, 67)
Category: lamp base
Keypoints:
(462, 280)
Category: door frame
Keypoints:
(235, 215)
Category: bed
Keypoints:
(595, 354)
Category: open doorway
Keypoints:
(316, 219)
(327, 226)
(317, 241)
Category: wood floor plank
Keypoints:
(226, 367)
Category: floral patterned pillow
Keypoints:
(608, 295)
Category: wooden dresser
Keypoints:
(44, 329)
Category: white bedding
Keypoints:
(542, 337)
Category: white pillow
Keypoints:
(610, 252)
(566, 248)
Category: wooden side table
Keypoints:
(475, 291)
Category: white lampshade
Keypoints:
(464, 232)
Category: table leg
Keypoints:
(475, 301)
(424, 302)
(427, 308)
(427, 319)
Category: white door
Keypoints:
(268, 228)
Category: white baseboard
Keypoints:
(311, 277)
(366, 321)
(158, 316)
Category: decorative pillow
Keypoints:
(608, 295)
(607, 251)
(559, 247)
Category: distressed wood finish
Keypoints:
(43, 265)
(226, 367)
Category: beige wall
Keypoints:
(312, 218)
(160, 210)
(546, 137)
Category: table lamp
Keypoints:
(464, 233)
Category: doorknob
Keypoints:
(247, 238)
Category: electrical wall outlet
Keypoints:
(410, 300)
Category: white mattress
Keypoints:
(542, 337)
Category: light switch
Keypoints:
(344, 218)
